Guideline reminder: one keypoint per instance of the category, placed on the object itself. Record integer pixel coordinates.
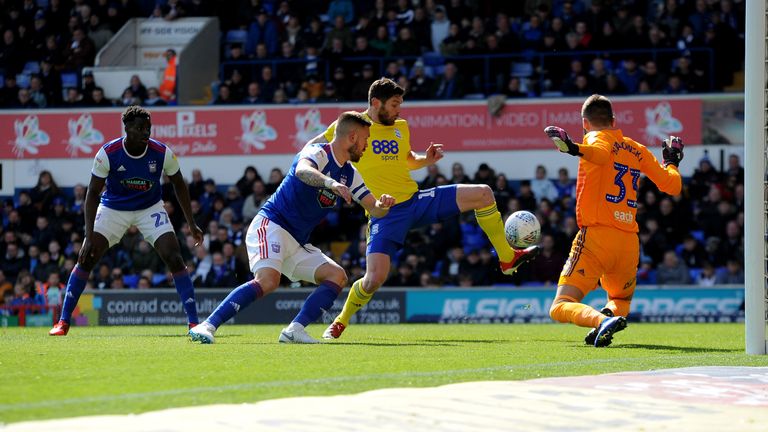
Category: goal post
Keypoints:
(756, 201)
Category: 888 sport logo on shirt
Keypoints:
(387, 148)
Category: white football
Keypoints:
(522, 229)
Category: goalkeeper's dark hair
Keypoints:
(383, 89)
(133, 112)
(598, 110)
(349, 121)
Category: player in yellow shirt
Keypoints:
(386, 166)
(606, 248)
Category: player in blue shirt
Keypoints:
(131, 167)
(277, 239)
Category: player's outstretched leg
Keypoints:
(332, 278)
(480, 199)
(239, 298)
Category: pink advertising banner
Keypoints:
(217, 131)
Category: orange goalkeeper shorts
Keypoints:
(603, 254)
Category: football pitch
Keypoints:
(120, 370)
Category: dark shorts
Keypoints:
(387, 235)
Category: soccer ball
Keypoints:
(522, 229)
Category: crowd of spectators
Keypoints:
(285, 51)
(42, 232)
(315, 51)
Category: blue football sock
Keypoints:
(239, 298)
(75, 287)
(187, 293)
(321, 298)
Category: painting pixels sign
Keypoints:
(220, 131)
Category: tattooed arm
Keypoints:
(310, 175)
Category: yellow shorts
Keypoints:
(603, 254)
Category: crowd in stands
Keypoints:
(325, 51)
(696, 238)
(277, 52)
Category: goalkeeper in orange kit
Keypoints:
(606, 248)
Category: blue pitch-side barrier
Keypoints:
(415, 305)
(669, 304)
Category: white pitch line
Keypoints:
(328, 380)
(552, 405)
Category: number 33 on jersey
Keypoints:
(607, 192)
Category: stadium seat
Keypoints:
(721, 272)
(521, 70)
(158, 279)
(236, 36)
(699, 236)
(547, 94)
(648, 278)
(694, 273)
(32, 67)
(432, 58)
(679, 250)
(131, 281)
(22, 80)
(69, 80)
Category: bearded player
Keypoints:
(387, 166)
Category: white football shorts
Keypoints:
(269, 245)
(152, 222)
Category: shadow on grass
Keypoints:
(677, 348)
(394, 344)
(472, 341)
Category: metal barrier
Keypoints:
(21, 312)
(537, 60)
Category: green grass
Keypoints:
(118, 370)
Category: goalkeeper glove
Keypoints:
(562, 140)
(672, 151)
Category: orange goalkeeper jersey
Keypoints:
(606, 187)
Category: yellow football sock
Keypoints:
(620, 307)
(356, 299)
(489, 220)
(574, 312)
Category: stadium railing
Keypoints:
(22, 313)
(703, 58)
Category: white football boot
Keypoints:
(202, 333)
(295, 333)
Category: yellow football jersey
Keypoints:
(384, 165)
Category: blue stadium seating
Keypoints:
(694, 273)
(131, 281)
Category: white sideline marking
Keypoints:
(328, 380)
(702, 399)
